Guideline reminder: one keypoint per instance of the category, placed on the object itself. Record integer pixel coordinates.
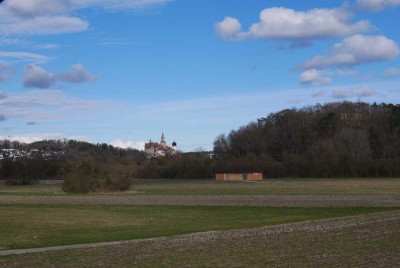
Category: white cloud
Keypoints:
(342, 93)
(76, 75)
(318, 77)
(288, 24)
(37, 77)
(6, 72)
(29, 8)
(129, 144)
(47, 46)
(377, 5)
(228, 28)
(24, 57)
(295, 100)
(346, 72)
(11, 41)
(356, 50)
(38, 17)
(44, 25)
(39, 105)
(318, 93)
(314, 77)
(117, 4)
(44, 17)
(391, 72)
(25, 43)
(364, 92)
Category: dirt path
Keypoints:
(206, 200)
(57, 248)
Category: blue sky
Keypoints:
(123, 71)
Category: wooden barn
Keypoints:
(239, 177)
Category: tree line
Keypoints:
(333, 140)
(86, 167)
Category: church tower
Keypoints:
(163, 141)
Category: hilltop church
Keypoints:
(155, 149)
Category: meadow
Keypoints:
(330, 187)
(30, 226)
(180, 223)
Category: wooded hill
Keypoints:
(335, 140)
(332, 140)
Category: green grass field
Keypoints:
(373, 242)
(350, 187)
(30, 226)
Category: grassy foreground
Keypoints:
(371, 240)
(29, 226)
(341, 187)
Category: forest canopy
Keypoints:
(332, 140)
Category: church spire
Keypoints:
(163, 141)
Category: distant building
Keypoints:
(155, 149)
(239, 177)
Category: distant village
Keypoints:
(49, 150)
(16, 150)
(54, 149)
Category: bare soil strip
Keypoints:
(369, 241)
(219, 200)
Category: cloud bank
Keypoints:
(314, 77)
(48, 105)
(377, 5)
(288, 24)
(37, 77)
(356, 50)
(24, 57)
(39, 17)
(362, 92)
(117, 4)
(44, 17)
(129, 144)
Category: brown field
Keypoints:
(362, 241)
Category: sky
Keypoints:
(124, 71)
